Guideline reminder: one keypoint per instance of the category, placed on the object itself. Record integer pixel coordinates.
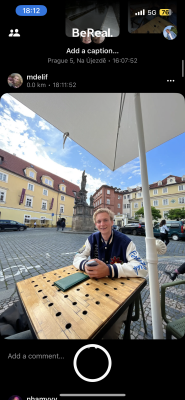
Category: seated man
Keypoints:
(115, 254)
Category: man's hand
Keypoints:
(99, 271)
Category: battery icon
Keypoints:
(166, 11)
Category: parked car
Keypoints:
(133, 229)
(176, 230)
(116, 227)
(7, 224)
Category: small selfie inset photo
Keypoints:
(170, 32)
(15, 397)
(99, 14)
(15, 80)
(151, 17)
(86, 36)
(98, 37)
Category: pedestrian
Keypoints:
(63, 224)
(164, 232)
(58, 224)
(115, 254)
(35, 224)
(173, 275)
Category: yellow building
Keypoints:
(166, 194)
(29, 193)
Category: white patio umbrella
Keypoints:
(116, 128)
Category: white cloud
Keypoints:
(44, 125)
(100, 170)
(130, 177)
(16, 106)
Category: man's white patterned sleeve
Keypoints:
(82, 256)
(134, 268)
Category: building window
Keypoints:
(27, 219)
(119, 197)
(118, 213)
(125, 197)
(165, 190)
(128, 205)
(125, 206)
(61, 209)
(3, 177)
(155, 203)
(100, 201)
(165, 213)
(42, 220)
(96, 203)
(139, 195)
(142, 204)
(29, 201)
(45, 192)
(2, 196)
(128, 196)
(119, 206)
(181, 187)
(135, 205)
(48, 182)
(63, 188)
(31, 174)
(159, 183)
(108, 201)
(44, 205)
(165, 202)
(30, 187)
(62, 198)
(108, 191)
(181, 200)
(155, 191)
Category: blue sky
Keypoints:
(33, 139)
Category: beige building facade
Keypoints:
(165, 194)
(28, 192)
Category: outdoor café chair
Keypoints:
(175, 327)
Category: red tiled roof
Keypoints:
(164, 181)
(17, 165)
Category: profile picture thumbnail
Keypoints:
(98, 38)
(15, 80)
(85, 36)
(15, 397)
(170, 32)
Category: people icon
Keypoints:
(15, 80)
(85, 36)
(14, 34)
(98, 38)
(11, 32)
(170, 32)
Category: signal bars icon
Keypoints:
(142, 12)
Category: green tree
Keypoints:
(175, 213)
(155, 213)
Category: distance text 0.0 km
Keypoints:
(125, 60)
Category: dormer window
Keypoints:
(48, 182)
(159, 183)
(31, 174)
(183, 178)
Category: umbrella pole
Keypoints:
(151, 251)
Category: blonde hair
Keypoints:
(19, 76)
(102, 210)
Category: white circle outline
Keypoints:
(101, 377)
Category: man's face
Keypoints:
(86, 39)
(16, 79)
(104, 223)
(167, 30)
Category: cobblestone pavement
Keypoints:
(32, 252)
